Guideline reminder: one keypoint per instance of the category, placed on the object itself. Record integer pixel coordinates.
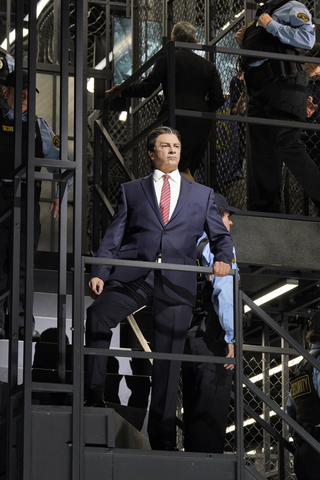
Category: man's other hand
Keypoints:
(95, 287)
(230, 366)
(240, 35)
(54, 207)
(264, 20)
(220, 269)
(311, 107)
(113, 88)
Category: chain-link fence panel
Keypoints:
(261, 448)
(192, 11)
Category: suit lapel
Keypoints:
(148, 188)
(183, 196)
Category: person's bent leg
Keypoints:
(116, 302)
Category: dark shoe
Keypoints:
(94, 399)
(35, 335)
(2, 333)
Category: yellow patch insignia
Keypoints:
(249, 24)
(303, 16)
(56, 141)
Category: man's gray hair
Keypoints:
(152, 137)
(184, 32)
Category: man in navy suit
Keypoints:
(139, 232)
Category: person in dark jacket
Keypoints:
(304, 406)
(198, 88)
(277, 90)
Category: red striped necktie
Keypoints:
(165, 199)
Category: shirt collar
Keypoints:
(175, 175)
(8, 111)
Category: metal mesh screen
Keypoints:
(261, 448)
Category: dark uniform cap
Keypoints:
(314, 51)
(11, 80)
(221, 202)
(316, 319)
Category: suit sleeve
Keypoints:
(222, 296)
(221, 243)
(112, 239)
(216, 98)
(150, 84)
(294, 29)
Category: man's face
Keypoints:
(8, 93)
(227, 221)
(166, 155)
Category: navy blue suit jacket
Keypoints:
(137, 232)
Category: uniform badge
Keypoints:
(303, 16)
(56, 141)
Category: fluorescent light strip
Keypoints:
(273, 371)
(250, 421)
(274, 294)
(12, 35)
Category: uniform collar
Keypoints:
(9, 112)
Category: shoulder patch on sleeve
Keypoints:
(56, 141)
(303, 16)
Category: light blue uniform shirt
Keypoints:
(291, 406)
(222, 295)
(47, 136)
(292, 25)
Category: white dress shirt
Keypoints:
(175, 182)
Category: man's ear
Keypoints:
(151, 155)
(4, 90)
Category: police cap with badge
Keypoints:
(10, 81)
(221, 202)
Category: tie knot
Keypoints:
(166, 177)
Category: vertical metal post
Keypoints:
(63, 200)
(96, 181)
(77, 301)
(238, 309)
(283, 454)
(13, 462)
(29, 261)
(266, 390)
(171, 80)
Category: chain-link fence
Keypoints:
(261, 448)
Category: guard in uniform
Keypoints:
(207, 386)
(304, 406)
(46, 146)
(277, 90)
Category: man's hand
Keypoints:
(113, 88)
(54, 207)
(311, 107)
(230, 366)
(240, 35)
(95, 287)
(264, 20)
(220, 269)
